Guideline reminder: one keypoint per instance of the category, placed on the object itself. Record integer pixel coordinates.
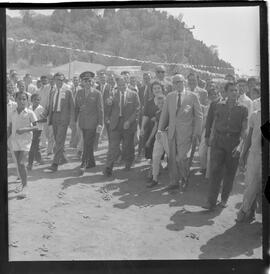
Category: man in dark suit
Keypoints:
(60, 109)
(89, 111)
(124, 111)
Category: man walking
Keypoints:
(89, 111)
(229, 131)
(182, 114)
(59, 111)
(160, 76)
(124, 111)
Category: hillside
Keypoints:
(134, 33)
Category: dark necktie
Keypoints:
(122, 103)
(56, 101)
(178, 101)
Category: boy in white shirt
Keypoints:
(22, 123)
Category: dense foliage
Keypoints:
(145, 34)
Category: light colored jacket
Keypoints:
(190, 115)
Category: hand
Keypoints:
(159, 135)
(236, 152)
(141, 132)
(195, 137)
(20, 131)
(109, 101)
(207, 141)
(126, 125)
(242, 163)
(99, 129)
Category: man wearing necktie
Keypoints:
(59, 110)
(89, 113)
(123, 115)
(182, 114)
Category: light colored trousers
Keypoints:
(12, 154)
(47, 135)
(203, 152)
(253, 179)
(160, 147)
(178, 159)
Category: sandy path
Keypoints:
(66, 217)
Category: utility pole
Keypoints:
(184, 42)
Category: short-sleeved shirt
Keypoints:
(38, 111)
(230, 120)
(22, 142)
(255, 123)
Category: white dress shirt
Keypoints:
(244, 100)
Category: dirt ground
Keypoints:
(91, 217)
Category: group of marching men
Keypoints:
(164, 117)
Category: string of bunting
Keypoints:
(194, 67)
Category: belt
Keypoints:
(229, 134)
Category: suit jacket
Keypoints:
(89, 109)
(66, 105)
(130, 111)
(188, 118)
(106, 92)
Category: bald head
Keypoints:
(178, 82)
(160, 72)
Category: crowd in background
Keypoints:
(162, 118)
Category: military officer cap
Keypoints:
(87, 75)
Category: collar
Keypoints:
(25, 110)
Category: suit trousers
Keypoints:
(89, 136)
(60, 133)
(222, 166)
(34, 153)
(74, 139)
(178, 159)
(118, 136)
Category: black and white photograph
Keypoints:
(133, 133)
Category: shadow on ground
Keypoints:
(241, 239)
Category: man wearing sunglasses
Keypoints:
(89, 111)
(160, 76)
(59, 110)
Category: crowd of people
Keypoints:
(159, 118)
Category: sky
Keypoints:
(234, 30)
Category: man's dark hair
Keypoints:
(191, 74)
(241, 80)
(33, 96)
(250, 79)
(17, 94)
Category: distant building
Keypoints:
(77, 67)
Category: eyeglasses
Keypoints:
(160, 71)
(177, 82)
